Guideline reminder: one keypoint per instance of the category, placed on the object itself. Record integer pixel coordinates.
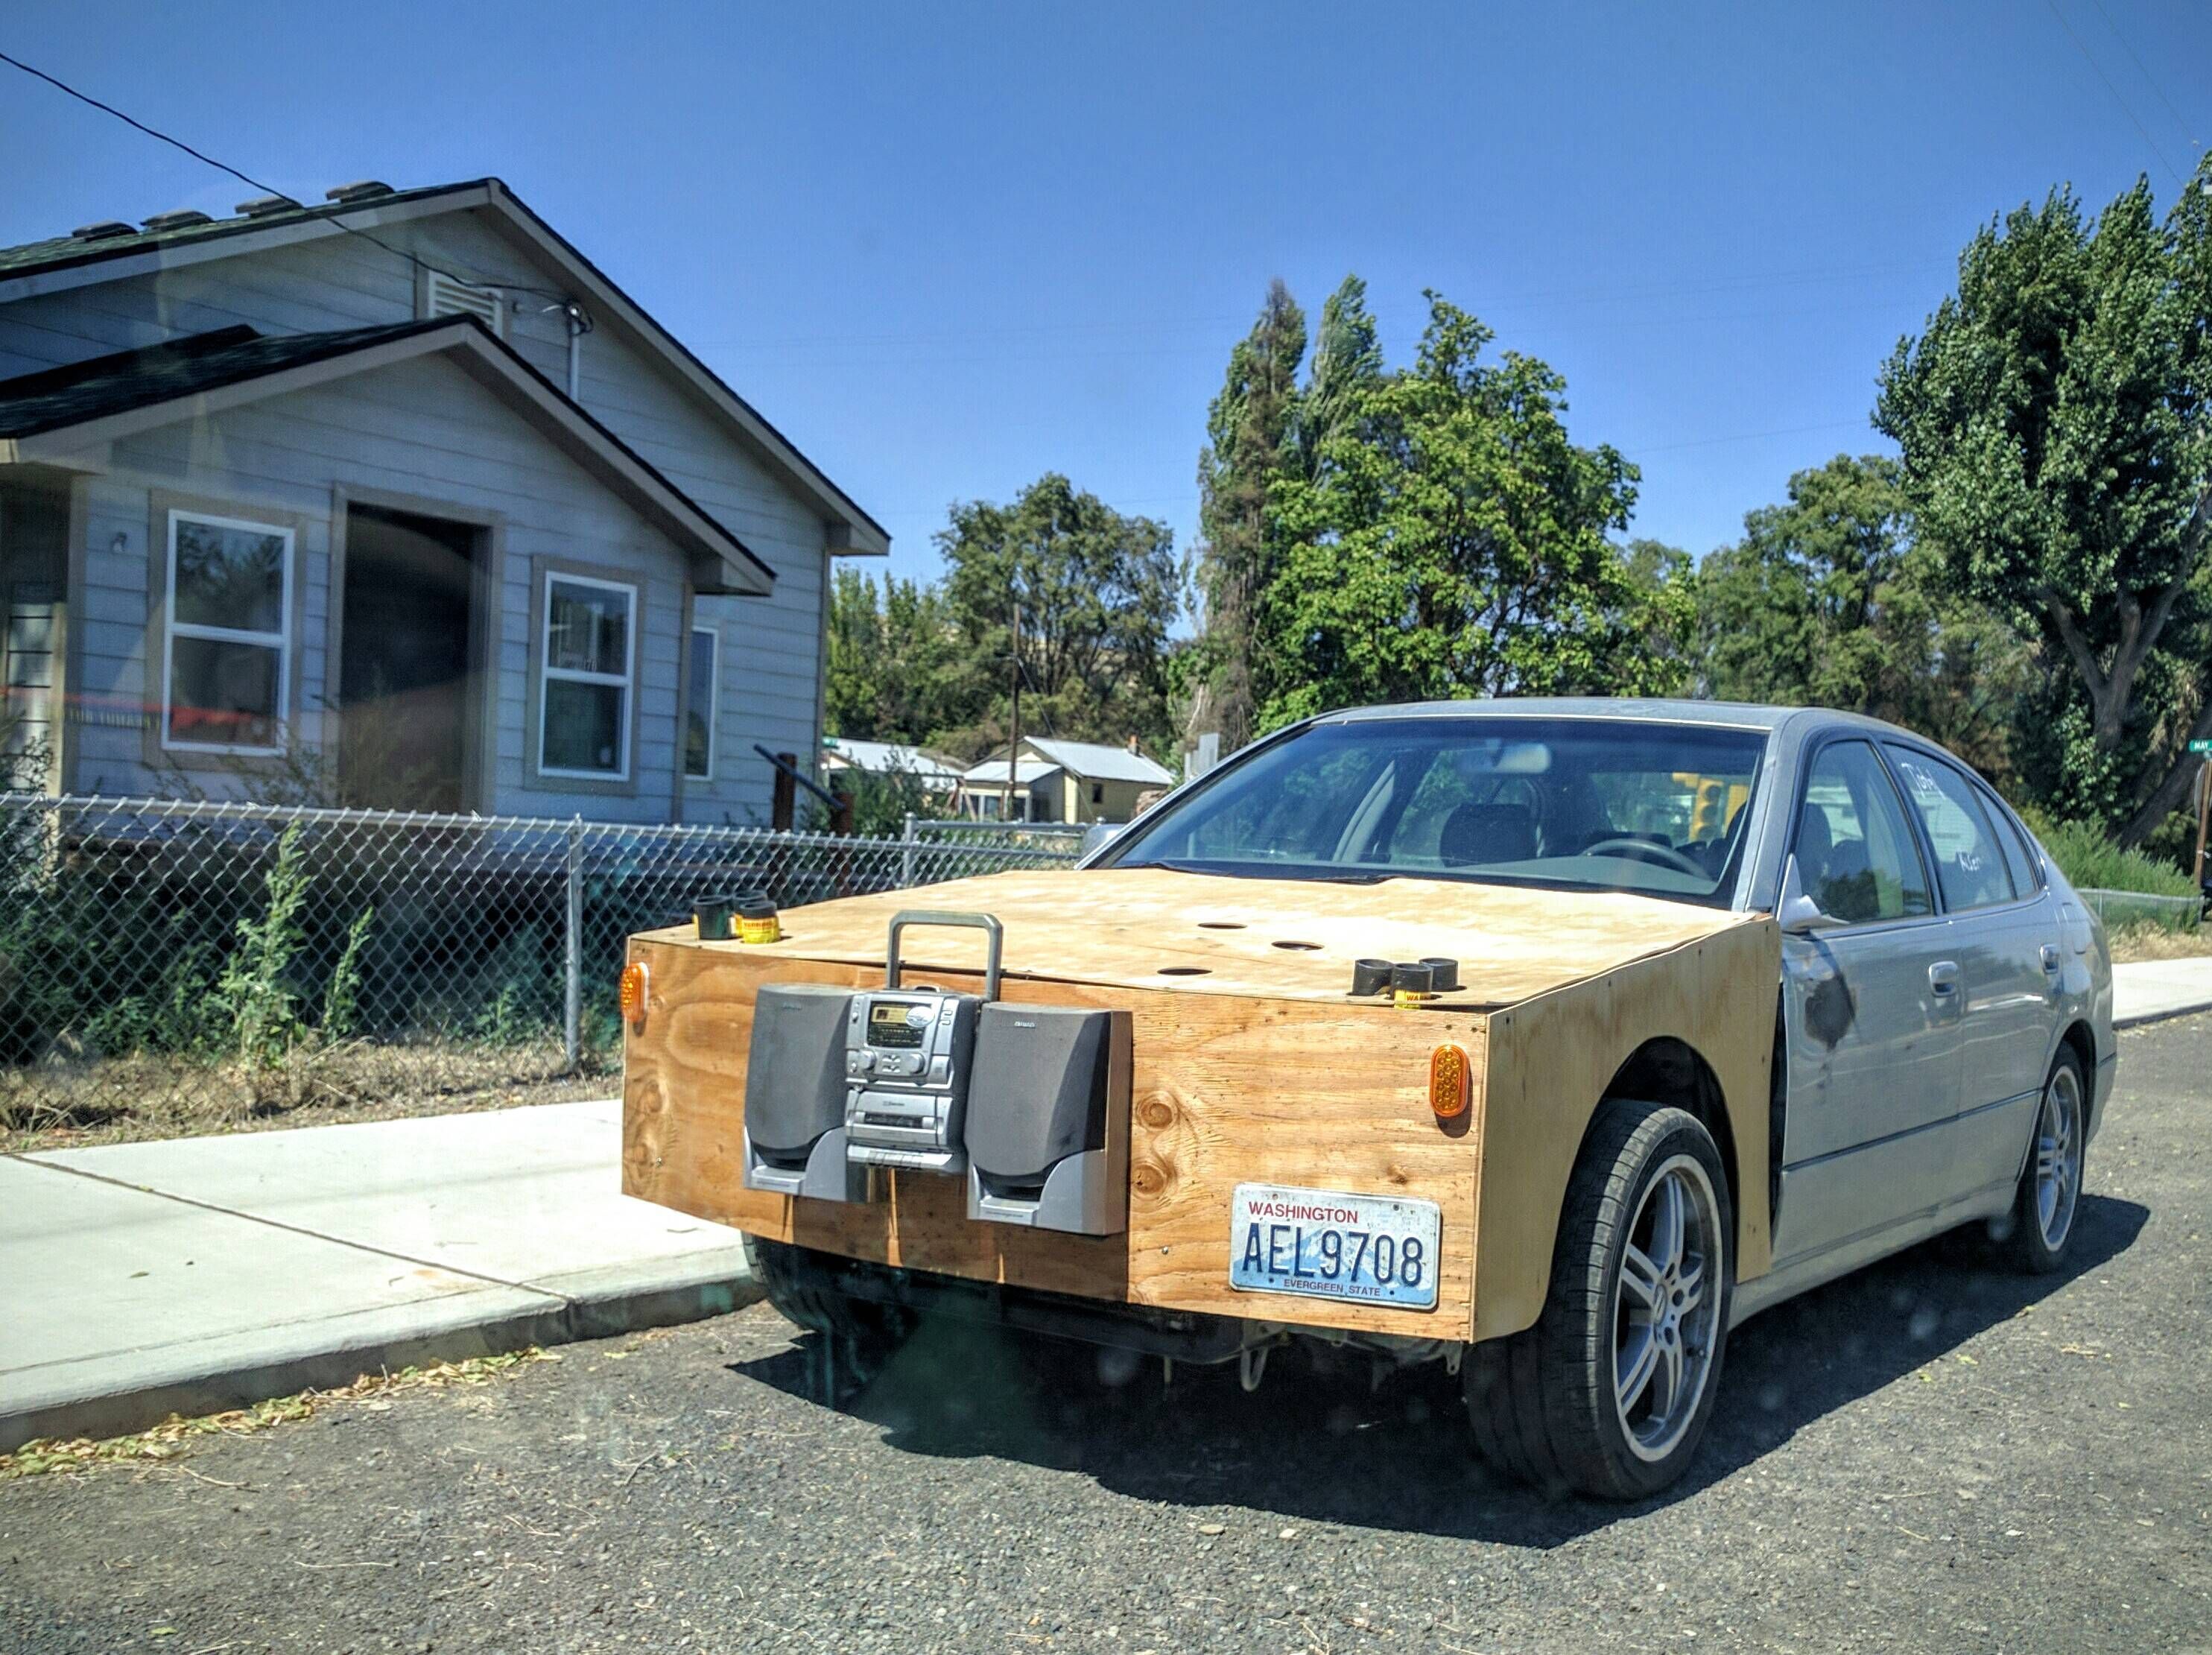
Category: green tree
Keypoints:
(894, 671)
(2052, 419)
(1827, 601)
(1249, 441)
(1098, 592)
(1452, 541)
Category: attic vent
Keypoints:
(367, 189)
(444, 296)
(183, 219)
(101, 231)
(263, 205)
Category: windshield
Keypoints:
(1576, 804)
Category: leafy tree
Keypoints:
(2052, 417)
(1249, 441)
(893, 673)
(1662, 586)
(1452, 541)
(1827, 601)
(1097, 592)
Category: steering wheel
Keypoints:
(1646, 850)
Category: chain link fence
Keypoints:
(197, 962)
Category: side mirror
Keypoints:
(1798, 913)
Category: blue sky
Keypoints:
(949, 247)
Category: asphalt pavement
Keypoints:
(1933, 1454)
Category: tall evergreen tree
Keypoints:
(1348, 363)
(1249, 438)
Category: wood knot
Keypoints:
(1148, 1180)
(1157, 1111)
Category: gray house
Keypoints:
(400, 499)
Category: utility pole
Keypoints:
(2203, 748)
(1014, 747)
(2203, 812)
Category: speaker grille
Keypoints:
(1038, 1090)
(795, 1068)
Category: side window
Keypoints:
(2019, 860)
(1970, 866)
(1856, 855)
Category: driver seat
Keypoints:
(1487, 833)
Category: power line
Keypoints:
(2126, 108)
(335, 218)
(2149, 79)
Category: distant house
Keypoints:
(402, 492)
(1057, 781)
(938, 777)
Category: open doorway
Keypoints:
(408, 679)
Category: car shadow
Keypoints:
(1319, 1440)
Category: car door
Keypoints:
(1870, 1015)
(2006, 941)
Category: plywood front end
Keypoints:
(1250, 1064)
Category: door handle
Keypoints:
(2050, 957)
(1943, 978)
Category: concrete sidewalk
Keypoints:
(137, 1280)
(2154, 988)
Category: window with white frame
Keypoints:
(226, 636)
(588, 678)
(699, 704)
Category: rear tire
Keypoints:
(2044, 1206)
(1609, 1394)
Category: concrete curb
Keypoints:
(318, 1365)
(2160, 1014)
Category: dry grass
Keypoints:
(167, 1440)
(2141, 941)
(59, 1106)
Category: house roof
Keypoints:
(1096, 761)
(887, 758)
(992, 773)
(58, 414)
(71, 261)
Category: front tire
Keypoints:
(1610, 1393)
(2049, 1193)
(797, 1281)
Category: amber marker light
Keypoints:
(1448, 1082)
(632, 992)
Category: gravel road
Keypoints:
(1932, 1455)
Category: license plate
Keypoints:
(1329, 1245)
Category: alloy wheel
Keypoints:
(1666, 1312)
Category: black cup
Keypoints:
(713, 915)
(1371, 976)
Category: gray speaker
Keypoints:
(795, 1093)
(1037, 1129)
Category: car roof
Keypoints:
(1734, 715)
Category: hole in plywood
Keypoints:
(1303, 946)
(1221, 925)
(1186, 971)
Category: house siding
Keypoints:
(287, 457)
(768, 649)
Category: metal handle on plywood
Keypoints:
(984, 922)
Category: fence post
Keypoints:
(906, 857)
(572, 1019)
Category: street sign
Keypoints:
(2204, 746)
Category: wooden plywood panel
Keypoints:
(1208, 934)
(1552, 1057)
(1224, 1091)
